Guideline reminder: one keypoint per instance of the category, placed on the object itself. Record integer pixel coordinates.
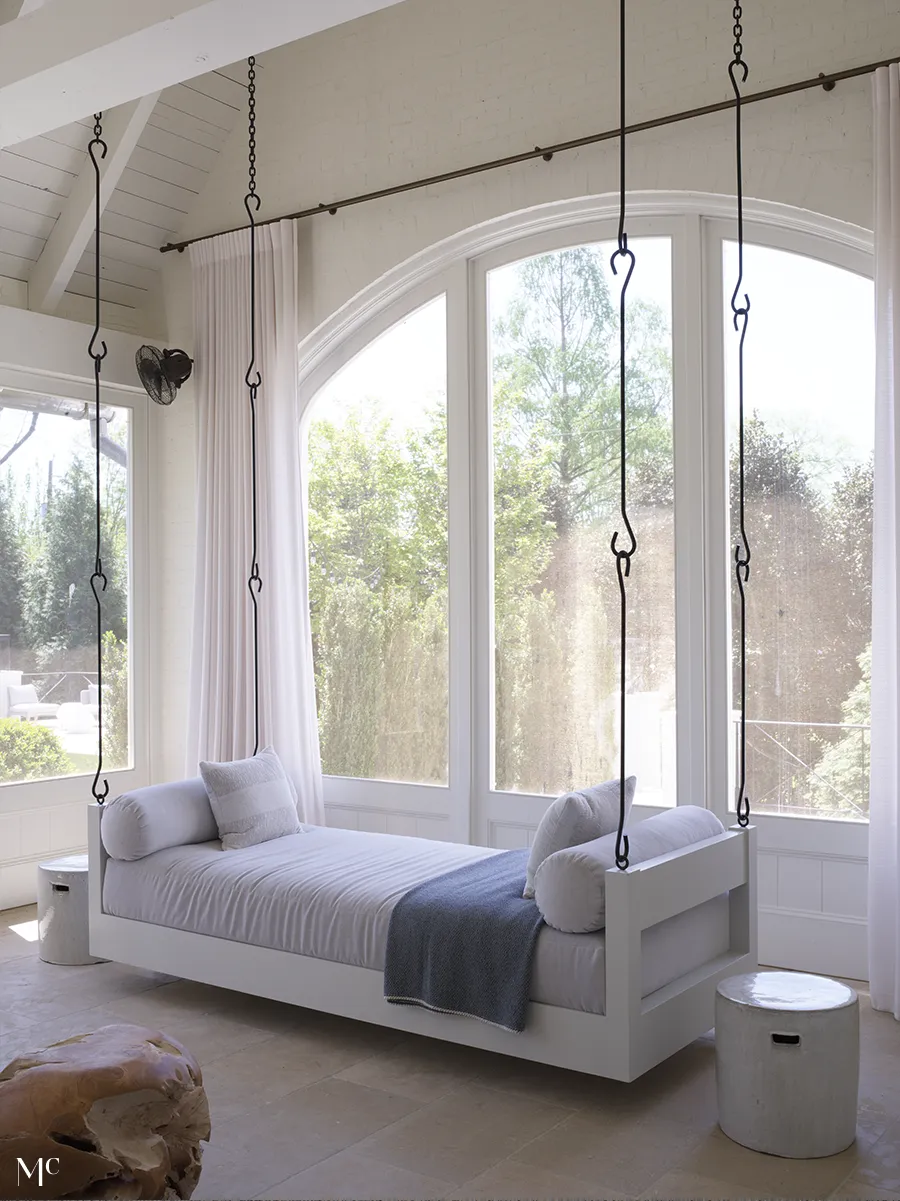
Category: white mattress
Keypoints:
(329, 894)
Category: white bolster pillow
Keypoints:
(138, 823)
(570, 885)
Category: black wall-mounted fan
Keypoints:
(162, 372)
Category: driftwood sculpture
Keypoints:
(119, 1113)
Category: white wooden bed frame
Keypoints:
(632, 1036)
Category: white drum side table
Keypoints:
(63, 911)
(787, 1063)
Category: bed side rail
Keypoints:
(97, 858)
(650, 892)
(677, 881)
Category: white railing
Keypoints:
(797, 767)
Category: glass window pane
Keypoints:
(555, 403)
(378, 556)
(810, 363)
(48, 666)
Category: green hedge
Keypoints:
(30, 752)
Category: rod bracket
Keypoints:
(828, 84)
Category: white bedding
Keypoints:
(329, 893)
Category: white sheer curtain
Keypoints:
(221, 691)
(884, 828)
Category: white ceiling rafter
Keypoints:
(68, 240)
(65, 61)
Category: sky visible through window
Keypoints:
(823, 396)
(810, 354)
(403, 371)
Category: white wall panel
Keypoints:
(27, 838)
(800, 883)
(844, 887)
(510, 837)
(373, 821)
(767, 883)
(400, 823)
(34, 832)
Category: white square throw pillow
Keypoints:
(252, 800)
(574, 818)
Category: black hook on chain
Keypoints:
(741, 317)
(623, 556)
(97, 150)
(253, 380)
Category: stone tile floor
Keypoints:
(310, 1106)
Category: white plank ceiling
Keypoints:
(164, 176)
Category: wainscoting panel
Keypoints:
(27, 838)
(386, 821)
(508, 836)
(799, 883)
(812, 900)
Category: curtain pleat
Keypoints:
(884, 800)
(221, 678)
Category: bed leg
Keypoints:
(743, 903)
(96, 867)
(623, 968)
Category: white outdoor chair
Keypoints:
(24, 703)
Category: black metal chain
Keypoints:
(623, 556)
(253, 380)
(96, 147)
(741, 315)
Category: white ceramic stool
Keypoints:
(787, 1063)
(63, 911)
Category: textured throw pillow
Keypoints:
(252, 800)
(577, 817)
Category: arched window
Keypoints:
(809, 447)
(377, 450)
(463, 445)
(553, 326)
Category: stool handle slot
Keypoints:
(786, 1040)
(60, 887)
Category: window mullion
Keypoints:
(719, 746)
(482, 546)
(689, 551)
(459, 553)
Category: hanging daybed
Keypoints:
(637, 930)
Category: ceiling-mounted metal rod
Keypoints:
(827, 82)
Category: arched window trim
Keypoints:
(411, 283)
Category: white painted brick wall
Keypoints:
(432, 85)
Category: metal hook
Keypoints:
(733, 66)
(253, 380)
(623, 252)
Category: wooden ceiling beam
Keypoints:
(62, 251)
(64, 61)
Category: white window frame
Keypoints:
(43, 794)
(425, 802)
(697, 224)
(838, 245)
(491, 805)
